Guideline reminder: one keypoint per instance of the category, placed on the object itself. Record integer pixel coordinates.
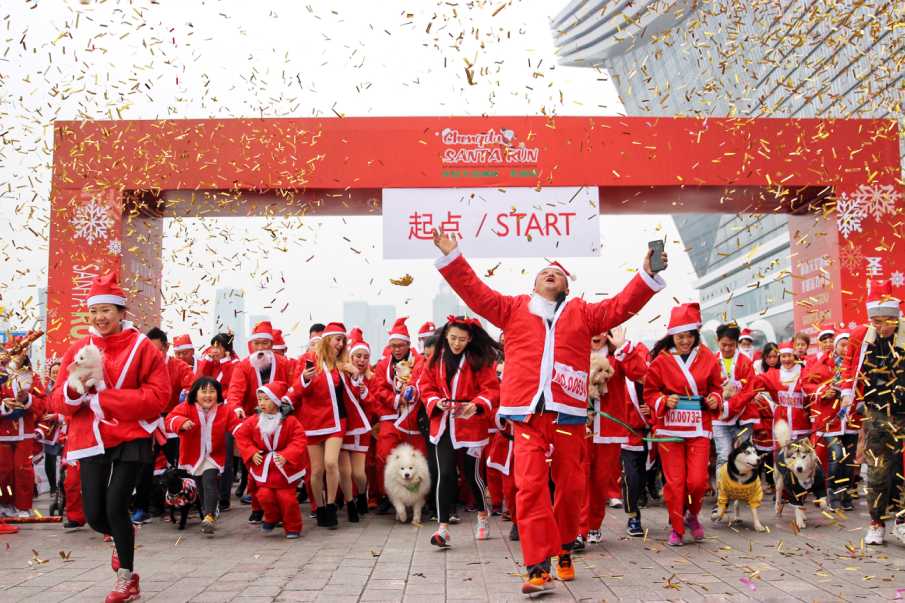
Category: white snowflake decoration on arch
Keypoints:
(115, 247)
(878, 199)
(849, 213)
(92, 221)
(897, 278)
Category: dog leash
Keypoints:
(654, 439)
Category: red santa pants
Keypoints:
(603, 471)
(510, 492)
(685, 470)
(545, 527)
(72, 485)
(253, 490)
(390, 437)
(17, 474)
(280, 504)
(495, 485)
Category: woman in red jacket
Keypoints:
(784, 389)
(328, 395)
(111, 423)
(460, 390)
(684, 388)
(202, 422)
(355, 447)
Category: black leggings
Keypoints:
(106, 491)
(50, 468)
(145, 488)
(447, 480)
(206, 484)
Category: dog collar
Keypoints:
(414, 487)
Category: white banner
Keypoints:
(554, 222)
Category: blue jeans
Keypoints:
(724, 438)
(226, 478)
(840, 466)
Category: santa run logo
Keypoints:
(493, 148)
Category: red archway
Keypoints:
(838, 180)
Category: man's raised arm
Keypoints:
(480, 298)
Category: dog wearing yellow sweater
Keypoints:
(739, 480)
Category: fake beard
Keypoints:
(268, 424)
(749, 352)
(541, 307)
(261, 360)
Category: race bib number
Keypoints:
(793, 401)
(574, 383)
(683, 418)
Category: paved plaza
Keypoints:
(381, 560)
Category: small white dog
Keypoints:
(87, 369)
(407, 481)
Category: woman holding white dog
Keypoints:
(684, 387)
(461, 392)
(113, 397)
(328, 396)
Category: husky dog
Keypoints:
(798, 469)
(739, 479)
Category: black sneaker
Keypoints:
(72, 525)
(634, 528)
(642, 501)
(313, 514)
(224, 505)
(383, 507)
(433, 515)
(256, 517)
(513, 533)
(578, 545)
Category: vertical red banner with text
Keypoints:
(85, 235)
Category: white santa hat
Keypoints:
(839, 337)
(826, 329)
(399, 330)
(558, 266)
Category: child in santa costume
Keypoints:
(821, 382)
(220, 360)
(22, 403)
(273, 447)
(111, 423)
(398, 417)
(328, 396)
(354, 452)
(460, 391)
(638, 456)
(784, 390)
(262, 366)
(628, 361)
(684, 387)
(545, 393)
(202, 422)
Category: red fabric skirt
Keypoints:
(324, 437)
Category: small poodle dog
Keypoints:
(407, 481)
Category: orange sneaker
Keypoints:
(564, 569)
(538, 581)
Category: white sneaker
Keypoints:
(8, 511)
(440, 538)
(615, 503)
(899, 531)
(875, 535)
(595, 536)
(483, 530)
(24, 514)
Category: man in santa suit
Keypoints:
(545, 393)
(746, 343)
(263, 366)
(185, 351)
(22, 403)
(398, 418)
(426, 331)
(275, 450)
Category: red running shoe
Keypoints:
(114, 561)
(5, 529)
(124, 590)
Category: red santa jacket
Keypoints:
(16, 426)
(288, 440)
(816, 379)
(317, 403)
(246, 379)
(181, 379)
(501, 445)
(128, 403)
(542, 359)
(207, 439)
(784, 388)
(370, 405)
(698, 376)
(221, 370)
(481, 387)
(635, 419)
(628, 362)
(741, 376)
(407, 421)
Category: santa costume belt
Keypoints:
(690, 403)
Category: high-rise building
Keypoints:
(229, 314)
(723, 59)
(374, 322)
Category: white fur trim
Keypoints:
(682, 328)
(260, 336)
(655, 282)
(185, 346)
(116, 300)
(446, 260)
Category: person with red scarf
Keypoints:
(112, 421)
(328, 396)
(273, 447)
(684, 387)
(545, 393)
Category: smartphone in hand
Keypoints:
(309, 363)
(656, 258)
